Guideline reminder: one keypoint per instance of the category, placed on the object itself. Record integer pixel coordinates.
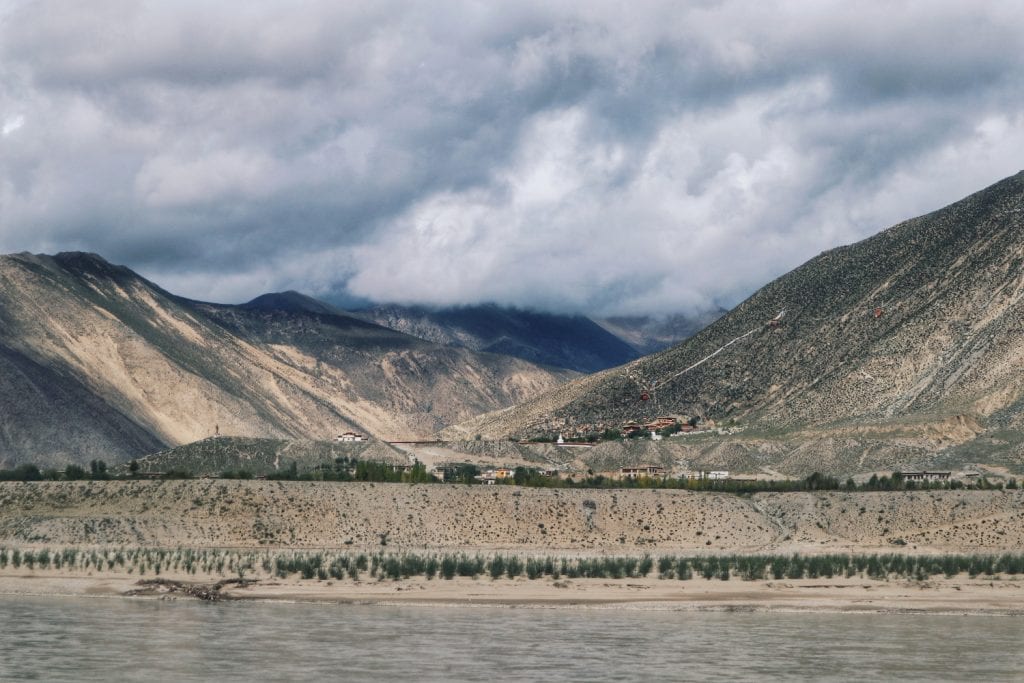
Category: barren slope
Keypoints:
(916, 329)
(99, 362)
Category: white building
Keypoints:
(351, 436)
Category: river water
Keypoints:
(73, 639)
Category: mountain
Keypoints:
(291, 302)
(909, 339)
(649, 334)
(563, 341)
(97, 362)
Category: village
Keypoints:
(566, 431)
(633, 473)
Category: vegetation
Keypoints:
(325, 565)
(344, 469)
(351, 469)
(814, 482)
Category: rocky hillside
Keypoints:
(97, 362)
(563, 341)
(915, 331)
(212, 456)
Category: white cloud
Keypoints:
(12, 124)
(585, 156)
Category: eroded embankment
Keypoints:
(225, 513)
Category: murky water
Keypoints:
(62, 639)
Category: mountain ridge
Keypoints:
(101, 363)
(920, 323)
(576, 342)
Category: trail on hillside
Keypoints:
(654, 385)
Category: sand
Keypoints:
(955, 595)
(253, 517)
(354, 516)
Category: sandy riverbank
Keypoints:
(955, 595)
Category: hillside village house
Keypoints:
(350, 436)
(641, 471)
(443, 472)
(717, 475)
(660, 423)
(494, 475)
(925, 476)
(630, 427)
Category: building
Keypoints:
(641, 471)
(504, 473)
(350, 436)
(443, 472)
(924, 476)
(486, 477)
(576, 444)
(630, 428)
(660, 423)
(707, 474)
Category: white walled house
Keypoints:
(350, 436)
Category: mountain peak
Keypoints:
(83, 262)
(291, 302)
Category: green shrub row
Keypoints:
(323, 565)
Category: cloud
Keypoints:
(584, 157)
(11, 124)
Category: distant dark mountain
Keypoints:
(911, 341)
(649, 334)
(291, 302)
(572, 342)
(97, 362)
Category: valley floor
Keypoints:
(221, 524)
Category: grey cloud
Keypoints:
(571, 156)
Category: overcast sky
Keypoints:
(586, 157)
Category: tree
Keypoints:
(133, 467)
(27, 472)
(611, 435)
(74, 472)
(418, 474)
(98, 469)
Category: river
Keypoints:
(74, 639)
